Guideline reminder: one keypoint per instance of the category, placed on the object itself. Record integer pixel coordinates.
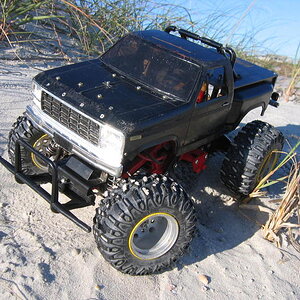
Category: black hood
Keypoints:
(106, 95)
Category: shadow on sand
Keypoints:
(3, 140)
(221, 224)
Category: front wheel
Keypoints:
(23, 128)
(144, 225)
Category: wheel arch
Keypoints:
(172, 139)
(149, 153)
(261, 105)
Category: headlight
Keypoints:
(111, 145)
(37, 91)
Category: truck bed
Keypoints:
(249, 74)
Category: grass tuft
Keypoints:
(280, 219)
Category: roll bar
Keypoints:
(221, 49)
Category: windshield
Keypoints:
(153, 66)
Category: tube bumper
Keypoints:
(53, 198)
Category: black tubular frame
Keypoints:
(53, 198)
(221, 49)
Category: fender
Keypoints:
(173, 139)
(263, 106)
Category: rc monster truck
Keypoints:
(116, 126)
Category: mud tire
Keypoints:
(125, 207)
(246, 156)
(23, 128)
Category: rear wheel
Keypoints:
(252, 155)
(144, 225)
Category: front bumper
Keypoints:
(79, 145)
(53, 198)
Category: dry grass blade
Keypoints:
(265, 181)
(295, 76)
(75, 7)
(256, 207)
(288, 206)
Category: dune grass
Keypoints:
(14, 13)
(97, 24)
(279, 220)
(288, 207)
(295, 75)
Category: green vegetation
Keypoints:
(91, 22)
(97, 24)
(102, 22)
(295, 74)
(15, 13)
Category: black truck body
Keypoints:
(153, 99)
(145, 113)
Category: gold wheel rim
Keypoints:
(33, 156)
(165, 238)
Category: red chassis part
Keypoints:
(197, 157)
(155, 157)
(156, 160)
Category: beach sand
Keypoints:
(45, 256)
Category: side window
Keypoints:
(214, 86)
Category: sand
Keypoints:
(45, 256)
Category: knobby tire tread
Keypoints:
(23, 128)
(246, 154)
(126, 205)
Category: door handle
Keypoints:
(225, 104)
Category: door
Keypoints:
(211, 106)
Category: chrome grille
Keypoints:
(70, 118)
